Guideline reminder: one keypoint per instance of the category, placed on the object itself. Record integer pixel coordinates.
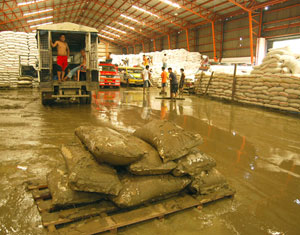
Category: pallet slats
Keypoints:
(99, 217)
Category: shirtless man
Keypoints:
(63, 52)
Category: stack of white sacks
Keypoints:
(12, 45)
(177, 59)
(273, 84)
(281, 60)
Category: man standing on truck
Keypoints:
(63, 52)
(82, 66)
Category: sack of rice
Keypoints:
(110, 146)
(194, 163)
(137, 190)
(85, 174)
(171, 141)
(62, 194)
(208, 182)
(151, 163)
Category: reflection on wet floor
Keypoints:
(257, 150)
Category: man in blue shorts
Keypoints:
(174, 84)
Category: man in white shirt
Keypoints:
(164, 60)
(146, 76)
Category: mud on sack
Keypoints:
(62, 194)
(137, 190)
(171, 141)
(86, 174)
(194, 163)
(110, 146)
(208, 182)
(151, 163)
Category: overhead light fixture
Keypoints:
(30, 2)
(37, 25)
(129, 18)
(121, 31)
(40, 19)
(37, 12)
(241, 38)
(171, 3)
(103, 36)
(125, 25)
(148, 12)
(113, 34)
(266, 8)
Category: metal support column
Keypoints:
(154, 46)
(251, 36)
(214, 40)
(221, 41)
(134, 49)
(187, 39)
(169, 43)
(127, 50)
(143, 45)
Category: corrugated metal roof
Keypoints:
(100, 13)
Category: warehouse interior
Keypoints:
(149, 117)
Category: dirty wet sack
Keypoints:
(171, 141)
(110, 146)
(86, 174)
(137, 190)
(208, 182)
(151, 163)
(62, 194)
(194, 163)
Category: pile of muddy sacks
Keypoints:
(158, 161)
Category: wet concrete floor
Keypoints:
(257, 150)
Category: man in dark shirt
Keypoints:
(174, 83)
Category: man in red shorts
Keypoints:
(63, 52)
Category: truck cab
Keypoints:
(131, 75)
(78, 38)
(109, 75)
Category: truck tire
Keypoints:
(45, 98)
(86, 100)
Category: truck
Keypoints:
(78, 37)
(131, 75)
(109, 75)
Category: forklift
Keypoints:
(78, 37)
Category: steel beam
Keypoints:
(214, 40)
(187, 39)
(251, 36)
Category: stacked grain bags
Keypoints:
(177, 59)
(159, 161)
(15, 46)
(280, 60)
(274, 84)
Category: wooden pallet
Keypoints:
(104, 216)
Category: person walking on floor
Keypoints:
(146, 77)
(181, 82)
(164, 76)
(164, 60)
(174, 84)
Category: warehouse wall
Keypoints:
(105, 46)
(280, 20)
